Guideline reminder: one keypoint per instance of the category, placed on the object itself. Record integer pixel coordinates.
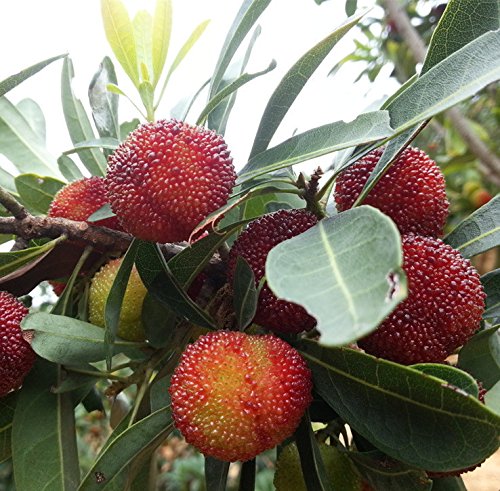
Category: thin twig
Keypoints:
(11, 204)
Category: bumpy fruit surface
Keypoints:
(16, 355)
(167, 177)
(254, 245)
(235, 396)
(130, 325)
(80, 199)
(412, 192)
(442, 311)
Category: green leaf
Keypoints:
(44, 449)
(158, 321)
(143, 34)
(102, 213)
(247, 476)
(132, 443)
(452, 483)
(292, 84)
(216, 474)
(21, 145)
(109, 143)
(70, 341)
(481, 357)
(230, 89)
(120, 35)
(479, 232)
(350, 7)
(491, 285)
(104, 104)
(162, 28)
(388, 475)
(417, 408)
(492, 398)
(311, 461)
(244, 293)
(33, 114)
(14, 80)
(37, 192)
(77, 121)
(127, 127)
(11, 262)
(246, 17)
(115, 300)
(69, 169)
(319, 141)
(326, 270)
(7, 407)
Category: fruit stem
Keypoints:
(311, 192)
(143, 387)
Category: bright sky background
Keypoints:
(31, 30)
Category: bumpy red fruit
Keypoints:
(254, 245)
(167, 177)
(80, 199)
(412, 192)
(443, 309)
(235, 396)
(16, 355)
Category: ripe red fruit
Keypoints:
(412, 192)
(254, 245)
(167, 177)
(16, 355)
(80, 199)
(443, 309)
(235, 396)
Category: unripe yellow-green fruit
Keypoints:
(130, 325)
(341, 472)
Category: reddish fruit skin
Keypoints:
(167, 177)
(235, 396)
(412, 192)
(443, 309)
(254, 245)
(16, 355)
(80, 199)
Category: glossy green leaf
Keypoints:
(21, 145)
(479, 232)
(216, 474)
(102, 213)
(120, 35)
(231, 89)
(70, 341)
(389, 475)
(43, 434)
(109, 143)
(481, 356)
(33, 114)
(346, 272)
(292, 84)
(37, 192)
(140, 438)
(104, 104)
(245, 19)
(14, 80)
(491, 285)
(12, 261)
(244, 293)
(319, 141)
(417, 408)
(7, 407)
(143, 34)
(78, 123)
(162, 27)
(69, 169)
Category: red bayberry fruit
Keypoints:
(412, 192)
(16, 355)
(443, 309)
(80, 199)
(254, 245)
(167, 177)
(235, 396)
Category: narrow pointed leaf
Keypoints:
(247, 476)
(33, 114)
(244, 293)
(491, 285)
(345, 271)
(78, 123)
(319, 141)
(37, 192)
(417, 408)
(14, 80)
(102, 213)
(109, 143)
(69, 169)
(120, 35)
(452, 483)
(292, 84)
(7, 407)
(479, 232)
(216, 474)
(162, 27)
(143, 34)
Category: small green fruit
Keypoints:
(130, 324)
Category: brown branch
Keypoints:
(12, 205)
(489, 162)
